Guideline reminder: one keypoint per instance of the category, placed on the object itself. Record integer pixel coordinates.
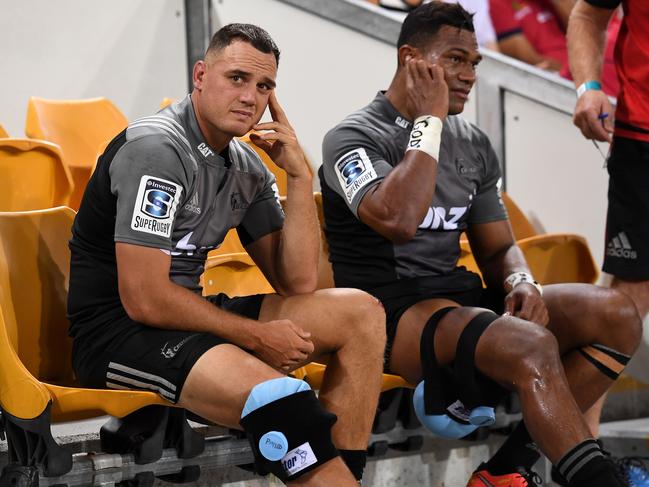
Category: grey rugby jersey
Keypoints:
(160, 185)
(359, 152)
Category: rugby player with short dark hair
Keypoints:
(162, 198)
(401, 180)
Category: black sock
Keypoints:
(586, 466)
(355, 461)
(518, 450)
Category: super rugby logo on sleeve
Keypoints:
(354, 171)
(155, 206)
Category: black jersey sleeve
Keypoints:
(352, 164)
(610, 4)
(265, 214)
(149, 181)
(487, 205)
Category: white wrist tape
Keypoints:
(426, 135)
(516, 278)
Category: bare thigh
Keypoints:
(581, 314)
(331, 316)
(503, 352)
(405, 358)
(220, 381)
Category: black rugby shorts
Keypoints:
(626, 253)
(153, 359)
(460, 286)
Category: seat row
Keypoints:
(65, 137)
(37, 384)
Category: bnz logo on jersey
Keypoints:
(155, 206)
(354, 171)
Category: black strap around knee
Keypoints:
(471, 393)
(609, 362)
(435, 382)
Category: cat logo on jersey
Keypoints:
(354, 171)
(155, 206)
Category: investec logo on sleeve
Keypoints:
(354, 171)
(155, 206)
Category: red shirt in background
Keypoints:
(632, 62)
(538, 22)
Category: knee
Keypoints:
(621, 326)
(363, 318)
(535, 354)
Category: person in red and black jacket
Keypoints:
(627, 225)
(534, 31)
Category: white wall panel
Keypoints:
(553, 173)
(130, 51)
(326, 71)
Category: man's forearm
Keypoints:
(586, 41)
(397, 206)
(176, 308)
(563, 9)
(501, 265)
(299, 249)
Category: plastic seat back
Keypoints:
(521, 226)
(3, 132)
(166, 102)
(79, 127)
(280, 174)
(234, 274)
(33, 175)
(325, 271)
(557, 258)
(34, 271)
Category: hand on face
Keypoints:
(525, 302)
(589, 115)
(280, 141)
(427, 91)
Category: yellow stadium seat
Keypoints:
(521, 226)
(235, 275)
(280, 174)
(37, 384)
(166, 102)
(3, 132)
(313, 373)
(325, 271)
(559, 258)
(33, 175)
(552, 258)
(79, 127)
